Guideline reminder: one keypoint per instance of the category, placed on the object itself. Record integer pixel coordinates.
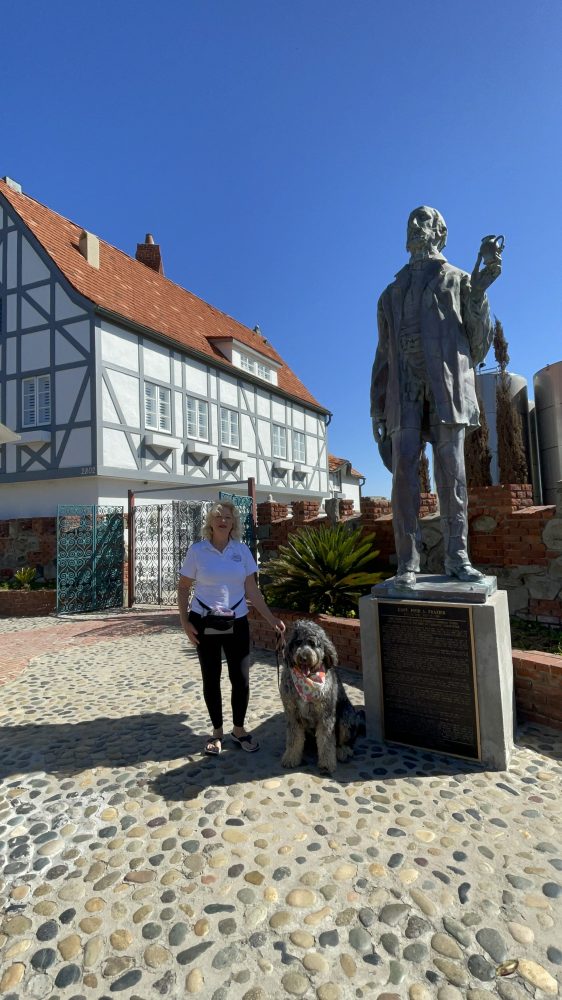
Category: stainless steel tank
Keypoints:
(548, 404)
(486, 384)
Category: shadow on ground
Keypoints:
(125, 626)
(152, 738)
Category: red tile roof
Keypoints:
(335, 463)
(134, 292)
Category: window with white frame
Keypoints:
(157, 412)
(299, 447)
(230, 434)
(279, 441)
(197, 418)
(255, 367)
(36, 401)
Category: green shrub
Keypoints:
(25, 577)
(323, 570)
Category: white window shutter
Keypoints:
(203, 420)
(29, 415)
(164, 409)
(44, 399)
(150, 406)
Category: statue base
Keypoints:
(438, 670)
(431, 587)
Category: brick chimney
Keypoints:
(89, 247)
(149, 253)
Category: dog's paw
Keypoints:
(289, 760)
(328, 764)
(344, 753)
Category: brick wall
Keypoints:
(27, 603)
(505, 528)
(28, 541)
(521, 544)
(344, 633)
(32, 541)
(538, 687)
(509, 537)
(537, 676)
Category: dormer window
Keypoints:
(247, 358)
(255, 367)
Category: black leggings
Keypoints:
(236, 649)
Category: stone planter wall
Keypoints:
(344, 633)
(27, 603)
(538, 687)
(537, 676)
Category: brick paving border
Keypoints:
(20, 647)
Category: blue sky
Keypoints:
(275, 149)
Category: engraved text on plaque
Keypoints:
(428, 677)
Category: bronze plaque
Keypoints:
(428, 676)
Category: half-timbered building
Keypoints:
(113, 378)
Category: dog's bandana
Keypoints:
(309, 686)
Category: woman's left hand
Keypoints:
(278, 625)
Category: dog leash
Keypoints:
(279, 654)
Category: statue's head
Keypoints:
(426, 230)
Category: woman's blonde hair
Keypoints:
(217, 508)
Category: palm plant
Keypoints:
(25, 577)
(325, 569)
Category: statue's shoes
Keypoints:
(465, 573)
(405, 580)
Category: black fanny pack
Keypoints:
(218, 622)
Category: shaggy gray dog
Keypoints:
(314, 699)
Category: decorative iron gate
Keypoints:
(244, 505)
(90, 557)
(162, 533)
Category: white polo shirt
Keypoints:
(219, 576)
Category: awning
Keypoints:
(7, 436)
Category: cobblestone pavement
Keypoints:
(132, 865)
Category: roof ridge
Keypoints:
(134, 261)
(145, 297)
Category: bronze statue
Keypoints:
(434, 326)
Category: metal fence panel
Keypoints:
(244, 505)
(162, 535)
(90, 557)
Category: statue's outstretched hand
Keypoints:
(379, 430)
(480, 280)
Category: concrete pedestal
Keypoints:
(493, 673)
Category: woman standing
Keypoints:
(220, 569)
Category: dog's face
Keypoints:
(309, 648)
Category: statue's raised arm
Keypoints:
(490, 255)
